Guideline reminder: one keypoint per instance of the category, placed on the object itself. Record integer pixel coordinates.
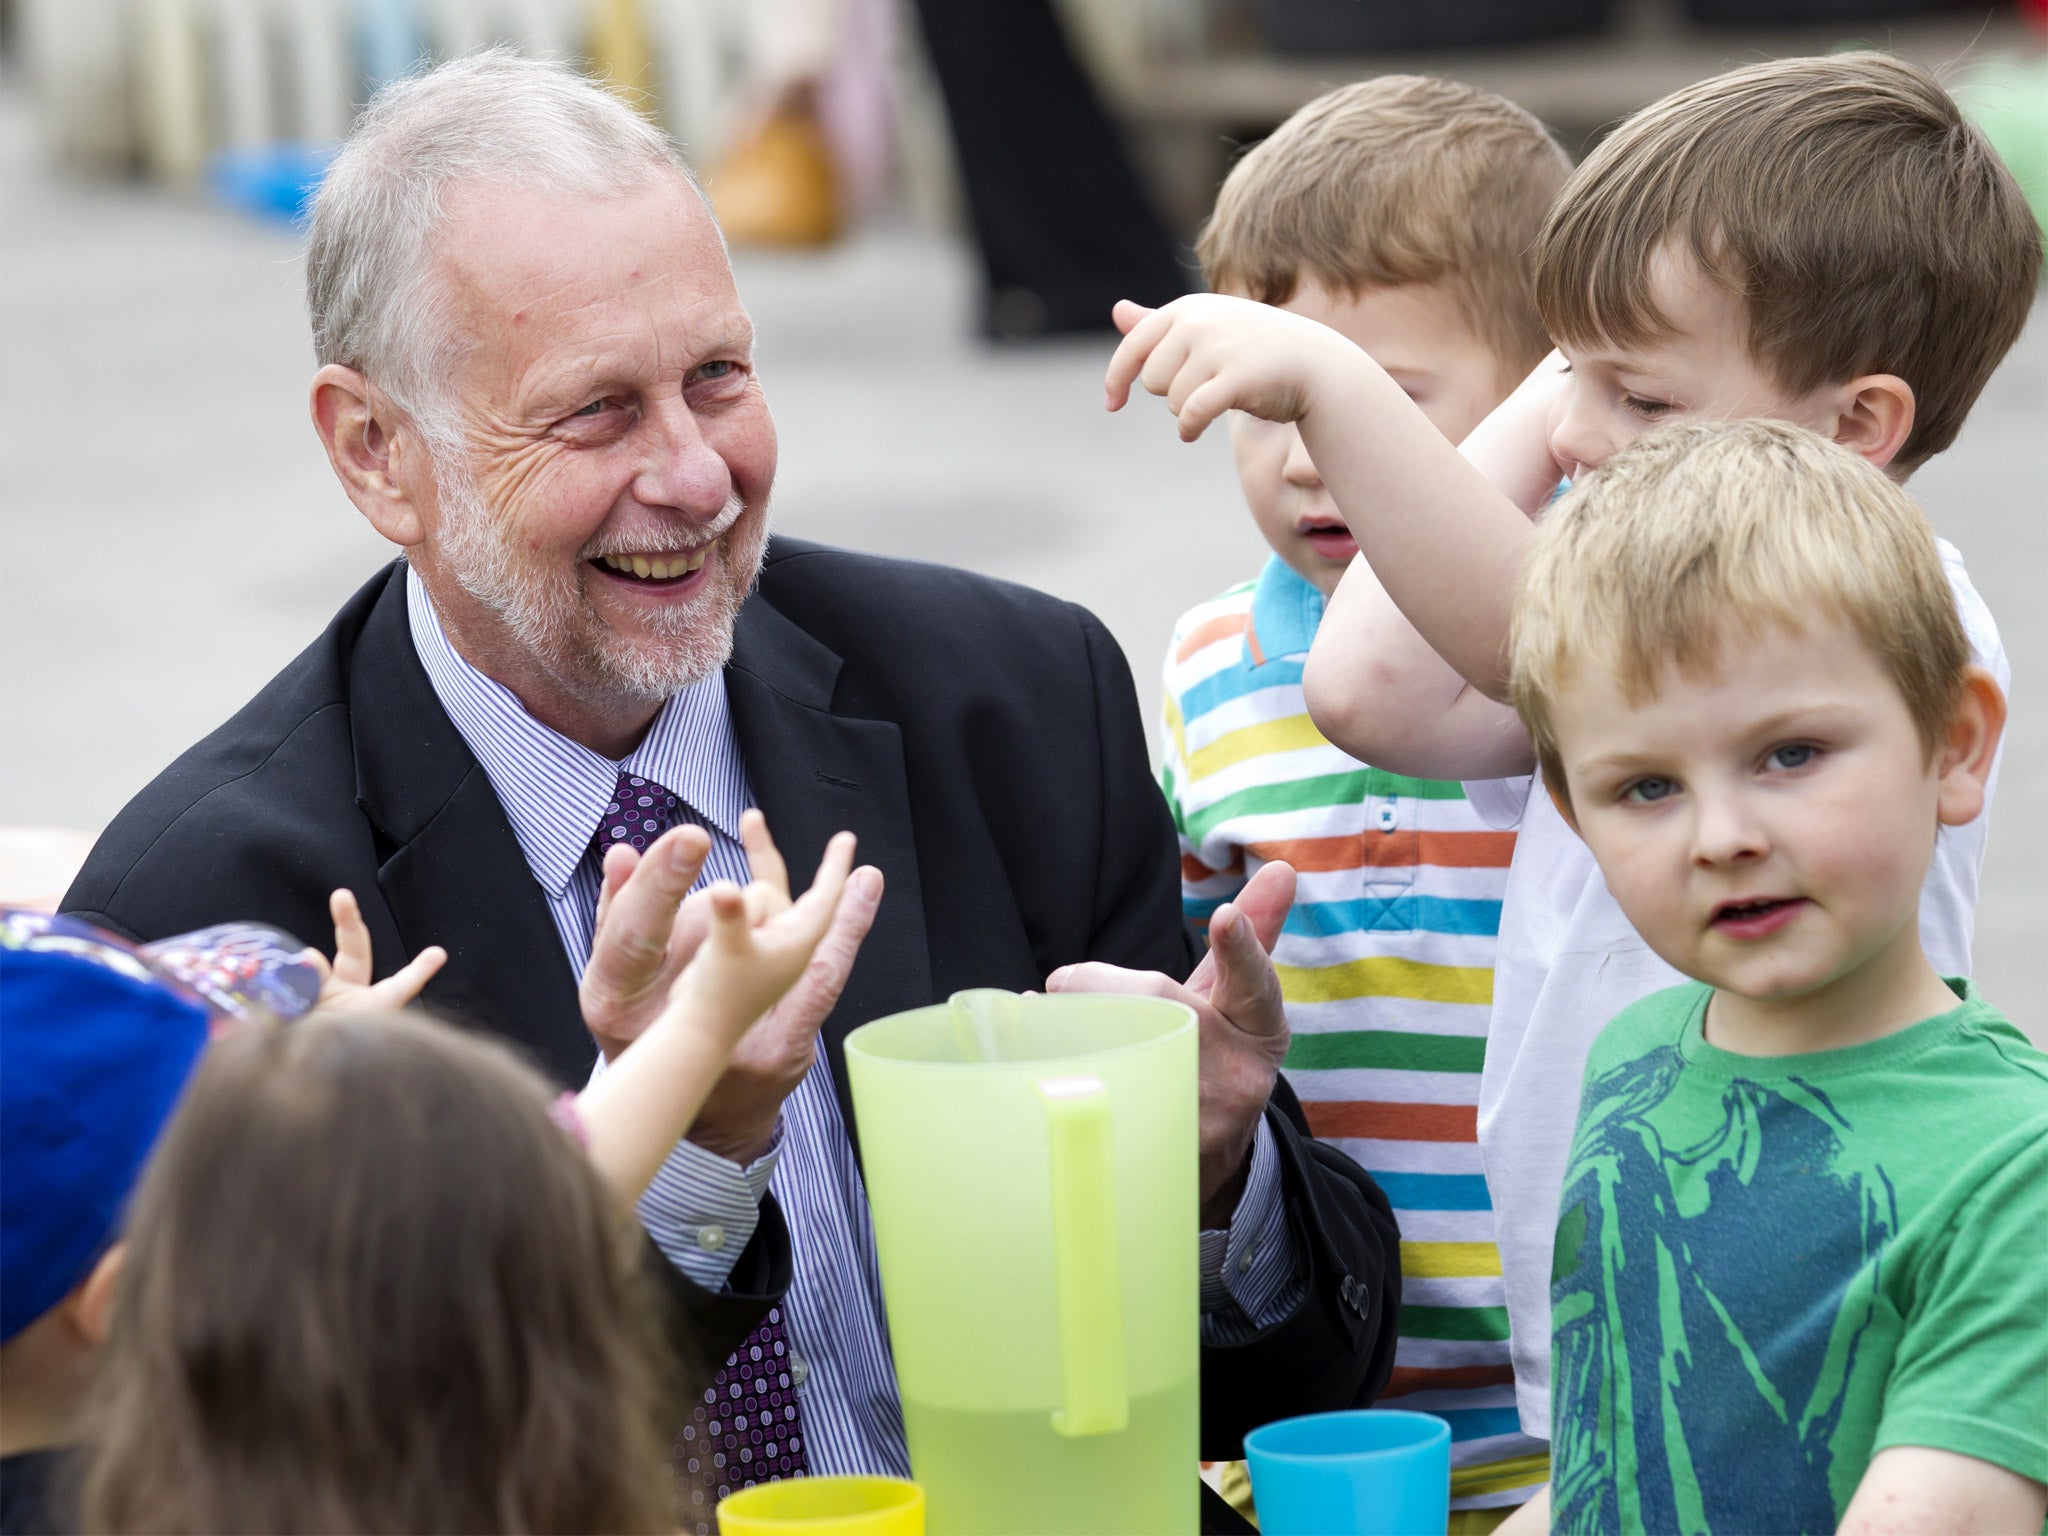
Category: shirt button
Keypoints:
(711, 1236)
(1390, 813)
(1244, 1262)
(799, 1370)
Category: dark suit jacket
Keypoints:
(982, 739)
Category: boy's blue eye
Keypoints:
(1795, 756)
(1649, 791)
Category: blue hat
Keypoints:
(97, 1038)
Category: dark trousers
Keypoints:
(1063, 225)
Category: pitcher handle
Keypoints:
(1095, 1396)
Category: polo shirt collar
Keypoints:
(1286, 608)
(555, 791)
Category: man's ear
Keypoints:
(91, 1303)
(359, 428)
(1874, 417)
(1562, 801)
(1969, 748)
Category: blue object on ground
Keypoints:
(276, 181)
(1366, 1472)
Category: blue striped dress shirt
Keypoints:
(701, 1209)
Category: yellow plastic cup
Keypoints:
(825, 1506)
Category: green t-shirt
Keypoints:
(1769, 1269)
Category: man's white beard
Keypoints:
(550, 614)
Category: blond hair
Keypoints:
(1400, 179)
(1864, 225)
(1700, 534)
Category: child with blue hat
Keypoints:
(97, 1039)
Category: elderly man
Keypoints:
(537, 380)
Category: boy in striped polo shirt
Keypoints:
(1401, 212)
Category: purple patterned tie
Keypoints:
(747, 1429)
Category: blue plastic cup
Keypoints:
(1368, 1472)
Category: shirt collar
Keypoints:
(1286, 608)
(555, 790)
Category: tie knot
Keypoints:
(639, 812)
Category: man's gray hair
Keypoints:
(489, 118)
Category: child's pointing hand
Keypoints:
(1208, 353)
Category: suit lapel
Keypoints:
(455, 875)
(814, 773)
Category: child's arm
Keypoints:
(346, 986)
(1445, 543)
(757, 945)
(1914, 1490)
(1375, 687)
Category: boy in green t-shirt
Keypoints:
(1799, 1280)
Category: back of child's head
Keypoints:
(1399, 179)
(372, 1286)
(1702, 535)
(1865, 225)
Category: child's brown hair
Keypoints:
(372, 1286)
(1399, 179)
(1864, 224)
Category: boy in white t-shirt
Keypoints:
(1823, 241)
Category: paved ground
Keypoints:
(170, 533)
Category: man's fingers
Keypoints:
(352, 963)
(818, 989)
(618, 864)
(1095, 976)
(1266, 900)
(1246, 990)
(633, 940)
(833, 872)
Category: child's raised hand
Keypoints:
(756, 945)
(1208, 353)
(760, 940)
(346, 986)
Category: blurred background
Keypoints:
(932, 206)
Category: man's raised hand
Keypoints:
(1235, 994)
(646, 933)
(762, 970)
(1208, 353)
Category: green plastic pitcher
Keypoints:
(1031, 1166)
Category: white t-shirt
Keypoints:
(1568, 962)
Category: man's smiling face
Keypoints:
(595, 530)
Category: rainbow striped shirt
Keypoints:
(1386, 963)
